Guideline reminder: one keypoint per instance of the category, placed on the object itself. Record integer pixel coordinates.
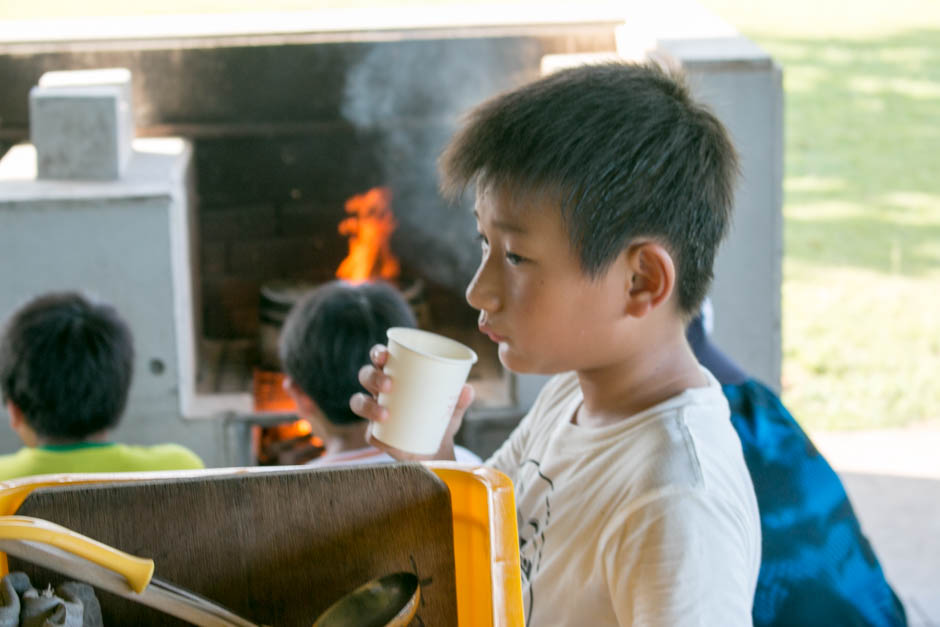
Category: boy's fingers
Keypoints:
(467, 394)
(374, 380)
(366, 407)
(366, 379)
(379, 355)
(463, 402)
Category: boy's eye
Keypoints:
(483, 241)
(514, 259)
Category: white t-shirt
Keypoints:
(649, 521)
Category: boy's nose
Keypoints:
(482, 293)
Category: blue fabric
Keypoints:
(720, 365)
(817, 567)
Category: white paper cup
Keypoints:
(428, 371)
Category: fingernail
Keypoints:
(354, 401)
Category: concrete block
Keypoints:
(82, 124)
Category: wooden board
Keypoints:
(276, 547)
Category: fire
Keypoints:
(369, 229)
(269, 393)
(290, 442)
(296, 429)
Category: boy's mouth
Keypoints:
(484, 329)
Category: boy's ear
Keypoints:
(652, 277)
(20, 426)
(16, 416)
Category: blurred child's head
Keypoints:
(327, 336)
(622, 150)
(66, 365)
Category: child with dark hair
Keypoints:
(66, 365)
(818, 567)
(325, 340)
(602, 194)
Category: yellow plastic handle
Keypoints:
(136, 570)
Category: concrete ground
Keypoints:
(893, 479)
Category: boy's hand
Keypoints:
(373, 378)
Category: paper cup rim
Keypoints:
(400, 331)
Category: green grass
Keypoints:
(861, 292)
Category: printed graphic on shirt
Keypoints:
(532, 525)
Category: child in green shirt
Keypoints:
(66, 365)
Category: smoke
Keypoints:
(413, 94)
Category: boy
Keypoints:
(325, 339)
(65, 368)
(602, 193)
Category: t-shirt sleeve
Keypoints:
(681, 559)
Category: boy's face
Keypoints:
(534, 300)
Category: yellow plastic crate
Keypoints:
(486, 545)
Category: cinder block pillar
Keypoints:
(82, 124)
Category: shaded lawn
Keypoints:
(861, 293)
(862, 230)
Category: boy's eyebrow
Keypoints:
(503, 225)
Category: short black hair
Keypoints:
(67, 363)
(327, 336)
(626, 152)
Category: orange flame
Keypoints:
(270, 396)
(269, 393)
(296, 429)
(369, 228)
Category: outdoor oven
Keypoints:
(287, 122)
